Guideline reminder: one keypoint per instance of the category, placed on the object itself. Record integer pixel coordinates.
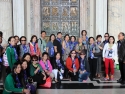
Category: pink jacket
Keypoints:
(32, 49)
(43, 65)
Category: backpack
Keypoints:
(40, 40)
(5, 59)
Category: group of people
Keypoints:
(39, 62)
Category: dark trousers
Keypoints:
(51, 61)
(73, 77)
(122, 70)
(93, 67)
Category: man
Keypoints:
(42, 42)
(121, 56)
(58, 43)
(106, 38)
(17, 46)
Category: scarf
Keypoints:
(25, 48)
(73, 64)
(59, 40)
(18, 84)
(34, 44)
(52, 51)
(82, 65)
(15, 52)
(25, 76)
(59, 64)
(46, 65)
(91, 49)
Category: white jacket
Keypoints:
(110, 53)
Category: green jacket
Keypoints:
(10, 56)
(32, 69)
(9, 86)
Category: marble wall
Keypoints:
(6, 18)
(35, 17)
(115, 17)
(94, 17)
(18, 17)
(85, 15)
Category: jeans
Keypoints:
(83, 76)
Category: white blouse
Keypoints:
(110, 53)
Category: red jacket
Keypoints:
(69, 63)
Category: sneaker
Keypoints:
(106, 78)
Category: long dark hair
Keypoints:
(51, 36)
(34, 36)
(26, 55)
(9, 39)
(13, 72)
(71, 53)
(113, 39)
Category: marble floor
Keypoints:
(95, 86)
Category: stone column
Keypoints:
(6, 18)
(101, 17)
(27, 19)
(18, 17)
(35, 17)
(116, 17)
(85, 15)
(92, 18)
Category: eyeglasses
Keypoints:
(34, 60)
(106, 36)
(73, 53)
(23, 40)
(81, 54)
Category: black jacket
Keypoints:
(55, 66)
(86, 64)
(121, 51)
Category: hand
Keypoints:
(38, 68)
(26, 91)
(46, 70)
(93, 51)
(44, 78)
(75, 70)
(48, 73)
(104, 59)
(100, 47)
(81, 72)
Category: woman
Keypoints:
(12, 83)
(109, 55)
(72, 64)
(80, 46)
(84, 70)
(93, 49)
(73, 43)
(38, 73)
(26, 80)
(24, 48)
(84, 34)
(58, 67)
(46, 65)
(99, 55)
(34, 49)
(27, 57)
(50, 48)
(66, 47)
(11, 52)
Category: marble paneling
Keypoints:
(35, 17)
(6, 18)
(85, 15)
(18, 17)
(115, 16)
(101, 17)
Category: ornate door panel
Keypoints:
(60, 15)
